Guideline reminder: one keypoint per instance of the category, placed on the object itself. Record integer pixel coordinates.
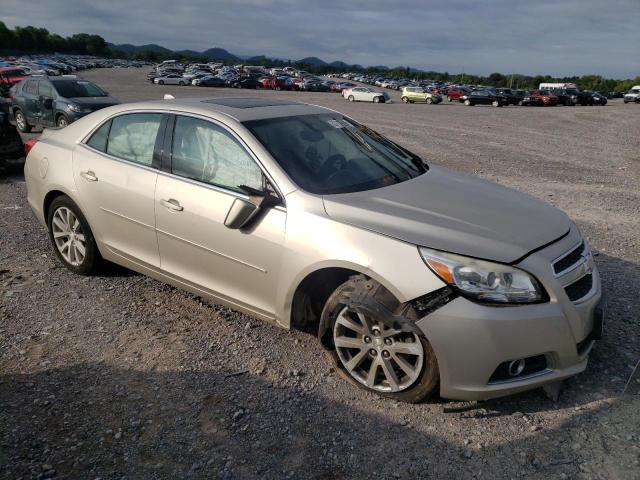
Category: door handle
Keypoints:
(172, 204)
(89, 176)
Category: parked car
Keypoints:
(212, 81)
(531, 100)
(55, 101)
(547, 98)
(485, 97)
(365, 94)
(417, 279)
(457, 93)
(593, 98)
(11, 146)
(247, 82)
(419, 94)
(566, 97)
(339, 87)
(10, 76)
(633, 95)
(514, 97)
(171, 79)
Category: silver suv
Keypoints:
(416, 279)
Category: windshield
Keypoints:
(326, 154)
(634, 90)
(75, 88)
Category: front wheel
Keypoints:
(405, 100)
(71, 236)
(450, 99)
(181, 84)
(62, 121)
(160, 82)
(394, 361)
(376, 99)
(495, 103)
(351, 99)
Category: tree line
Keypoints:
(39, 40)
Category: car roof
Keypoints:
(241, 109)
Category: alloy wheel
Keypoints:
(377, 356)
(20, 121)
(62, 122)
(68, 236)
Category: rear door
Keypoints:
(207, 164)
(31, 108)
(115, 172)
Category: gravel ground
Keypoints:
(119, 376)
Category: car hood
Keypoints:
(94, 103)
(455, 213)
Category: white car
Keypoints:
(171, 79)
(633, 95)
(365, 94)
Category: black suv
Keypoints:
(485, 97)
(566, 96)
(55, 101)
(514, 97)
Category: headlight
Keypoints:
(484, 281)
(75, 108)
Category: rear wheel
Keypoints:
(21, 122)
(495, 103)
(450, 99)
(391, 360)
(468, 103)
(71, 236)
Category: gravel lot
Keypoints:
(119, 376)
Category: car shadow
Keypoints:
(93, 420)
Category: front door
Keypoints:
(208, 165)
(45, 92)
(116, 178)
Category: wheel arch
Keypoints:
(313, 288)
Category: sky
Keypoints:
(555, 37)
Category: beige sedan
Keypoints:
(418, 280)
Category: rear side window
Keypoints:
(205, 152)
(99, 138)
(31, 87)
(133, 136)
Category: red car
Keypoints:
(9, 76)
(457, 93)
(547, 97)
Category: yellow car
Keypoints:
(419, 94)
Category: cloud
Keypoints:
(547, 36)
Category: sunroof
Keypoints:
(247, 102)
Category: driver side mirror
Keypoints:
(243, 211)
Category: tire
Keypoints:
(181, 84)
(520, 103)
(21, 121)
(351, 99)
(450, 99)
(376, 99)
(62, 121)
(57, 225)
(405, 100)
(429, 101)
(160, 82)
(495, 103)
(376, 343)
(468, 103)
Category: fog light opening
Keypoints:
(516, 367)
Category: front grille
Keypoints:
(569, 260)
(579, 288)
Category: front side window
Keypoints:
(133, 136)
(45, 90)
(205, 152)
(31, 87)
(329, 153)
